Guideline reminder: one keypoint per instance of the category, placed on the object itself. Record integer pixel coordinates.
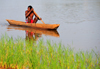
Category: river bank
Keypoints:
(20, 54)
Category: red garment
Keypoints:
(31, 21)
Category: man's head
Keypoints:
(29, 7)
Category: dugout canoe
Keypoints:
(33, 25)
(35, 30)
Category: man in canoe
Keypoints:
(29, 13)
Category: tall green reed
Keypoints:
(19, 53)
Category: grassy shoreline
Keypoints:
(22, 54)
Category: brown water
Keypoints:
(79, 21)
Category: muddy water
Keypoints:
(79, 21)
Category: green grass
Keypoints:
(23, 54)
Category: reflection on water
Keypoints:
(34, 33)
(32, 36)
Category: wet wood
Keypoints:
(35, 30)
(34, 25)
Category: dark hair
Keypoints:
(30, 7)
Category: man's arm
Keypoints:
(36, 14)
(27, 13)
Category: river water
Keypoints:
(79, 21)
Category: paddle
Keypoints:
(42, 21)
(39, 17)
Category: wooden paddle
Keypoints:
(38, 16)
(42, 21)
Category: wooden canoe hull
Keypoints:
(33, 25)
(41, 31)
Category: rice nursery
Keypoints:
(24, 54)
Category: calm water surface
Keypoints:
(79, 21)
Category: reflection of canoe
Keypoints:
(41, 31)
(33, 25)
